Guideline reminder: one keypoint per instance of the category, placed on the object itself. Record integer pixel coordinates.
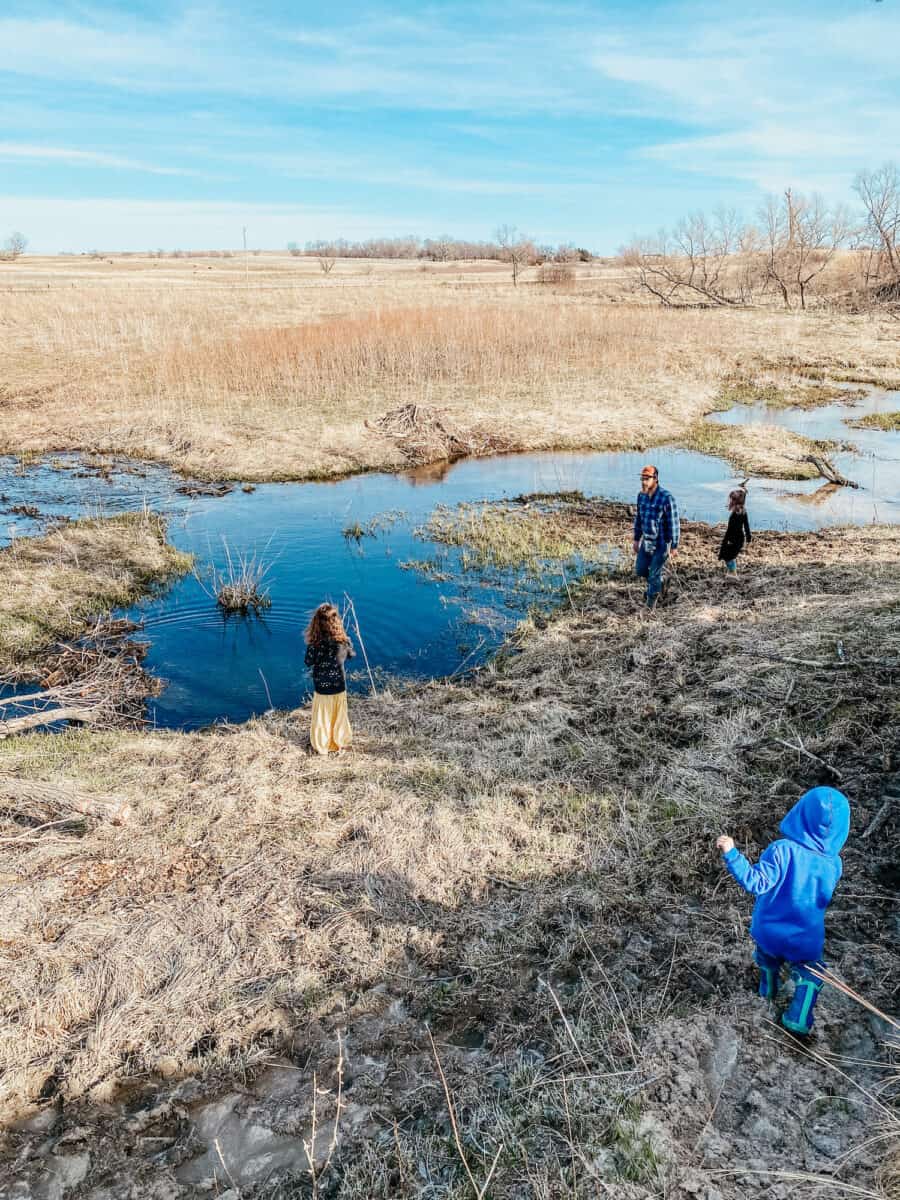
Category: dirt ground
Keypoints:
(511, 880)
(272, 370)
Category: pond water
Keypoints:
(220, 667)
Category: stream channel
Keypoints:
(414, 624)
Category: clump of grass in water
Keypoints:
(501, 537)
(240, 587)
(356, 532)
(888, 421)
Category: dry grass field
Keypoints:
(271, 370)
(522, 865)
(511, 878)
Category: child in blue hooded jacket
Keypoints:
(793, 882)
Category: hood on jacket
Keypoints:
(820, 820)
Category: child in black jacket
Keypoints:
(327, 649)
(737, 533)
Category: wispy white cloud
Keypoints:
(774, 98)
(450, 177)
(24, 152)
(385, 60)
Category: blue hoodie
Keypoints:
(795, 877)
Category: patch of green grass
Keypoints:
(742, 389)
(888, 421)
(636, 1158)
(500, 537)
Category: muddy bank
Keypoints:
(523, 863)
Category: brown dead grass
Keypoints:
(552, 819)
(53, 584)
(180, 361)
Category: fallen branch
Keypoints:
(46, 802)
(48, 716)
(840, 664)
(879, 819)
(808, 754)
(828, 471)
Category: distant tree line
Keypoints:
(445, 249)
(721, 259)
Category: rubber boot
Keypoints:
(768, 976)
(798, 1017)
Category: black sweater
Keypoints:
(737, 532)
(327, 662)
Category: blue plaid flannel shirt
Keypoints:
(657, 520)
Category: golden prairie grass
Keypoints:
(53, 584)
(278, 379)
(544, 821)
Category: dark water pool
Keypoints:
(230, 667)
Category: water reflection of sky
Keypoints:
(231, 667)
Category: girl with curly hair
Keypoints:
(737, 535)
(327, 649)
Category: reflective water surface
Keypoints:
(230, 667)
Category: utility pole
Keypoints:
(246, 260)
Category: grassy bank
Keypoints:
(762, 450)
(888, 421)
(52, 585)
(283, 379)
(523, 864)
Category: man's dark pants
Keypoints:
(650, 567)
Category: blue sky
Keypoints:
(132, 126)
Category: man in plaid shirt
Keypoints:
(657, 531)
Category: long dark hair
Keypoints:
(737, 500)
(326, 626)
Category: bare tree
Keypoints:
(14, 246)
(326, 253)
(879, 192)
(696, 262)
(514, 248)
(801, 238)
(294, 250)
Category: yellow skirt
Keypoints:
(329, 728)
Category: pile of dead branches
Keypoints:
(97, 680)
(425, 435)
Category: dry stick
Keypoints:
(362, 644)
(24, 837)
(802, 750)
(828, 976)
(337, 1112)
(879, 819)
(466, 659)
(479, 1191)
(566, 1024)
(266, 686)
(225, 1165)
(31, 697)
(49, 716)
